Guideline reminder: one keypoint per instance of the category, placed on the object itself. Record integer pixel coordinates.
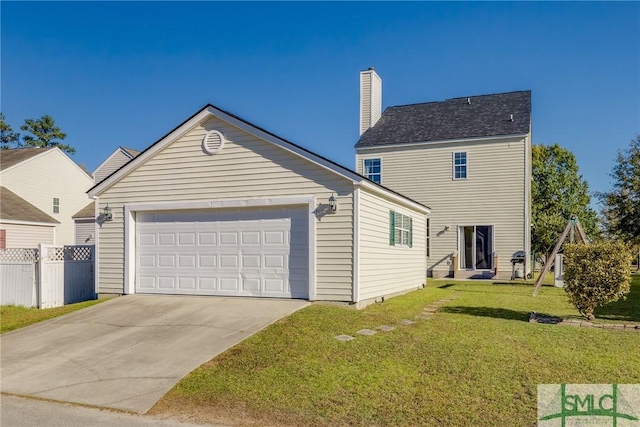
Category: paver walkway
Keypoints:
(426, 314)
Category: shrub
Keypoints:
(596, 274)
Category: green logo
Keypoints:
(566, 405)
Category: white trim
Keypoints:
(130, 249)
(120, 149)
(212, 111)
(441, 141)
(96, 248)
(314, 158)
(396, 198)
(17, 222)
(356, 244)
(202, 116)
(453, 165)
(130, 211)
(123, 171)
(428, 226)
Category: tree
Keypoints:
(621, 205)
(621, 209)
(8, 137)
(44, 133)
(596, 274)
(558, 192)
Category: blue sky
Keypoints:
(126, 73)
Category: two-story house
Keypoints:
(85, 218)
(469, 160)
(42, 189)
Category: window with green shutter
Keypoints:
(400, 229)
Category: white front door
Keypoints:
(243, 252)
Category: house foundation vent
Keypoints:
(213, 142)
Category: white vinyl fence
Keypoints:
(47, 276)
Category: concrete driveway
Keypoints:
(126, 353)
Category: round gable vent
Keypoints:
(213, 142)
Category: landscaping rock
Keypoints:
(367, 332)
(386, 328)
(345, 338)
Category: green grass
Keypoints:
(13, 317)
(475, 362)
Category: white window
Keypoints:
(56, 205)
(400, 229)
(460, 165)
(373, 170)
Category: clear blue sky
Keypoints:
(125, 73)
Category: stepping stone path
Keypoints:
(426, 314)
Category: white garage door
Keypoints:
(245, 252)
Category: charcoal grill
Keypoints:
(517, 258)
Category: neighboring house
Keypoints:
(49, 180)
(23, 225)
(85, 219)
(114, 162)
(85, 225)
(221, 207)
(469, 158)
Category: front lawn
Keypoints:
(14, 317)
(475, 362)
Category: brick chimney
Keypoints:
(370, 99)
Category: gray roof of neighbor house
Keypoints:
(88, 211)
(14, 207)
(14, 156)
(455, 118)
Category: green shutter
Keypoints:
(392, 228)
(410, 232)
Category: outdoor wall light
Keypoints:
(106, 213)
(333, 203)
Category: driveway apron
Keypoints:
(126, 353)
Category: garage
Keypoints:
(221, 207)
(259, 252)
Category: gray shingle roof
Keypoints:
(14, 207)
(456, 118)
(88, 211)
(14, 156)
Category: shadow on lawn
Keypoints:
(625, 310)
(496, 313)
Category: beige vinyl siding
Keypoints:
(51, 175)
(493, 194)
(85, 231)
(247, 167)
(365, 102)
(112, 164)
(386, 269)
(28, 236)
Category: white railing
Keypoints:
(47, 276)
